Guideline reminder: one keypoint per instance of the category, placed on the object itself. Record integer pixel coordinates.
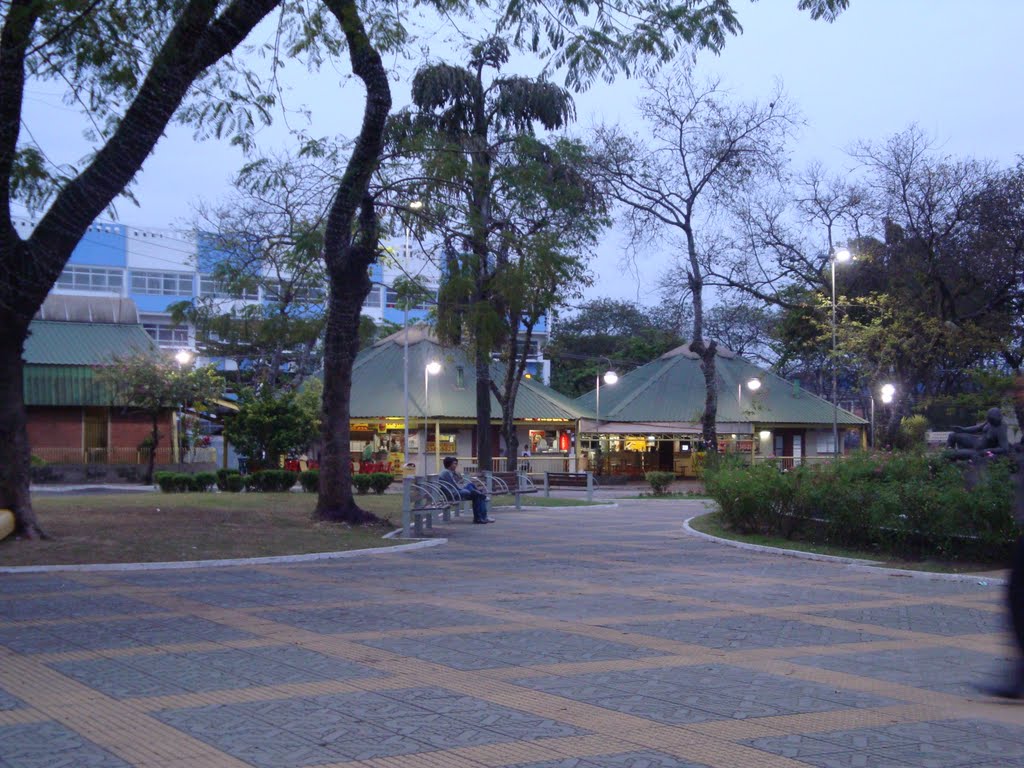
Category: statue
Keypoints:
(987, 438)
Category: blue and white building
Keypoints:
(157, 268)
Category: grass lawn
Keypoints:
(158, 527)
(712, 524)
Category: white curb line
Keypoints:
(854, 563)
(308, 558)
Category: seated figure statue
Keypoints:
(988, 437)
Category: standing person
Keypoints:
(456, 483)
(1014, 687)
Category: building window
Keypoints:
(162, 283)
(167, 335)
(392, 300)
(372, 300)
(460, 377)
(298, 292)
(210, 287)
(97, 279)
(824, 444)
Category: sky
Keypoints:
(952, 68)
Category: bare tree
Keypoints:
(704, 149)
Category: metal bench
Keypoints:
(510, 484)
(422, 497)
(570, 481)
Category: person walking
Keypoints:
(455, 483)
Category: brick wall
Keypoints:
(128, 429)
(55, 427)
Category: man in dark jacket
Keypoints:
(456, 484)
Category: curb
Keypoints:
(167, 566)
(853, 563)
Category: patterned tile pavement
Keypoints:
(558, 638)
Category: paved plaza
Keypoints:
(557, 638)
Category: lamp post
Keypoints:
(415, 205)
(842, 255)
(432, 368)
(752, 384)
(610, 377)
(888, 392)
(184, 357)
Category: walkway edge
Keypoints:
(854, 563)
(308, 558)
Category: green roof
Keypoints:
(60, 359)
(377, 384)
(55, 343)
(671, 389)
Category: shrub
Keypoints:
(310, 480)
(271, 480)
(165, 481)
(205, 480)
(912, 433)
(223, 475)
(35, 461)
(379, 481)
(234, 483)
(362, 483)
(911, 505)
(660, 481)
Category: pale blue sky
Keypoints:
(954, 68)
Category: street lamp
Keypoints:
(842, 256)
(184, 357)
(752, 384)
(415, 205)
(888, 391)
(432, 369)
(610, 377)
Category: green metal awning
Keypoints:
(60, 359)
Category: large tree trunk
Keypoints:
(709, 418)
(341, 345)
(347, 264)
(709, 428)
(15, 453)
(28, 269)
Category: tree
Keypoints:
(265, 242)
(474, 127)
(703, 150)
(133, 65)
(270, 425)
(606, 331)
(153, 386)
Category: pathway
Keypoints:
(556, 638)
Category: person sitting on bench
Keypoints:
(451, 479)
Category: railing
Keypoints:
(531, 465)
(788, 462)
(102, 455)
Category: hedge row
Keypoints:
(180, 482)
(378, 482)
(264, 481)
(909, 505)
